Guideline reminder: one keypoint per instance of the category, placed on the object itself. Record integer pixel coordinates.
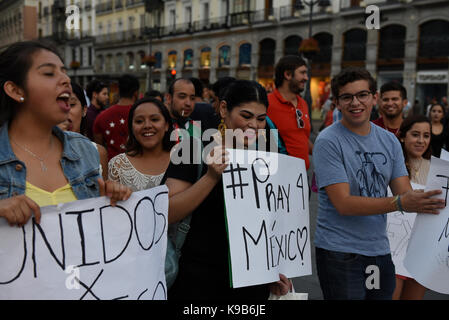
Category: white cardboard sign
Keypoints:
(399, 230)
(267, 217)
(87, 249)
(427, 257)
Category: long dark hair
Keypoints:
(243, 91)
(79, 93)
(406, 125)
(133, 147)
(15, 62)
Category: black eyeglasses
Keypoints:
(299, 120)
(362, 96)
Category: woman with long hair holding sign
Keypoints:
(147, 155)
(40, 164)
(204, 265)
(415, 137)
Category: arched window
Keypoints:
(245, 54)
(291, 45)
(188, 58)
(224, 56)
(267, 48)
(434, 39)
(354, 52)
(325, 44)
(205, 57)
(392, 42)
(158, 56)
(120, 62)
(172, 56)
(131, 62)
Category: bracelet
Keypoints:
(397, 202)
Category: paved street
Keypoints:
(310, 284)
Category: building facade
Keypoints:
(210, 39)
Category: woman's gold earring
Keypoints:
(222, 128)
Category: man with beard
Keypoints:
(393, 99)
(98, 94)
(288, 110)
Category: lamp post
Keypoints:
(308, 54)
(150, 7)
(149, 61)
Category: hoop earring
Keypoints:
(222, 128)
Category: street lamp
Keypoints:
(311, 47)
(150, 6)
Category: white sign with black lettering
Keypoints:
(267, 212)
(87, 249)
(399, 230)
(427, 257)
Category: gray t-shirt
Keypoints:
(368, 163)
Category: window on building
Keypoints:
(267, 48)
(172, 56)
(354, 45)
(188, 58)
(245, 54)
(291, 45)
(188, 15)
(224, 56)
(158, 64)
(205, 57)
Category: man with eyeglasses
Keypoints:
(288, 110)
(393, 99)
(355, 162)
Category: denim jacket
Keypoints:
(79, 161)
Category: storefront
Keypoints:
(430, 85)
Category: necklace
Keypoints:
(43, 166)
(415, 165)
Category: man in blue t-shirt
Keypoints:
(355, 162)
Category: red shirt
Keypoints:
(380, 122)
(283, 114)
(112, 124)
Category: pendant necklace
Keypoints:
(43, 166)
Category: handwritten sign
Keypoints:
(399, 230)
(444, 155)
(87, 249)
(427, 257)
(267, 213)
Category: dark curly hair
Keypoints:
(133, 147)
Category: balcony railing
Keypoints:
(128, 36)
(134, 3)
(103, 7)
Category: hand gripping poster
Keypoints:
(427, 257)
(88, 250)
(267, 212)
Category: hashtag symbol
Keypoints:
(239, 170)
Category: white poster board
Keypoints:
(444, 155)
(427, 257)
(267, 217)
(399, 230)
(89, 250)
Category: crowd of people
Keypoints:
(58, 148)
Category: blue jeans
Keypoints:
(351, 276)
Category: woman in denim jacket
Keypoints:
(38, 161)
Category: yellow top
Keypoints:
(44, 198)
